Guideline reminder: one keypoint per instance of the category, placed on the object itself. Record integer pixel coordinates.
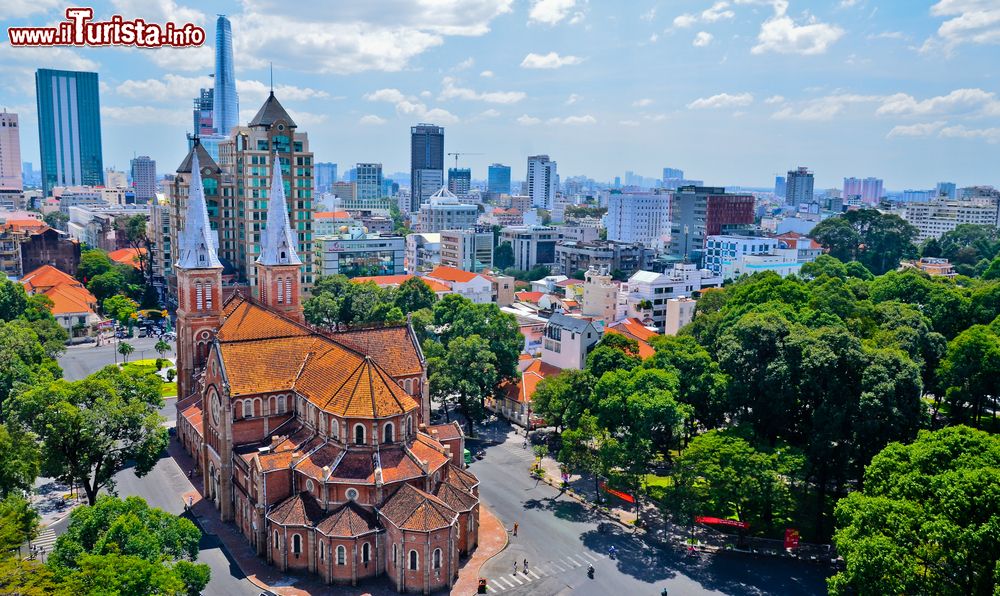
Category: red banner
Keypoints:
(791, 538)
(718, 521)
(623, 496)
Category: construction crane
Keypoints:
(456, 154)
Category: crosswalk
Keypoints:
(537, 571)
(46, 540)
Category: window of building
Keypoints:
(366, 553)
(395, 555)
(281, 404)
(414, 561)
(321, 550)
(198, 296)
(352, 494)
(359, 434)
(309, 485)
(296, 544)
(437, 559)
(277, 544)
(334, 428)
(341, 555)
(387, 432)
(208, 295)
(288, 291)
(247, 408)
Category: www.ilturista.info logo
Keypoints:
(79, 29)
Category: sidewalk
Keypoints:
(492, 540)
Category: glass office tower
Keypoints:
(226, 102)
(69, 128)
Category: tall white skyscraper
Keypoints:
(639, 217)
(543, 181)
(10, 152)
(868, 190)
(799, 187)
(144, 178)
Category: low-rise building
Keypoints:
(356, 253)
(600, 296)
(503, 288)
(47, 246)
(13, 232)
(503, 217)
(423, 251)
(533, 245)
(73, 306)
(473, 286)
(680, 312)
(96, 225)
(514, 402)
(634, 329)
(573, 256)
(328, 223)
(567, 341)
(548, 284)
(445, 212)
(467, 249)
(933, 266)
(394, 281)
(645, 294)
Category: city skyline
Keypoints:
(597, 104)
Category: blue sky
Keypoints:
(730, 91)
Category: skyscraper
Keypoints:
(459, 181)
(226, 110)
(672, 173)
(204, 105)
(945, 189)
(369, 179)
(69, 128)
(868, 191)
(144, 178)
(498, 180)
(426, 163)
(697, 212)
(326, 175)
(799, 187)
(779, 186)
(543, 181)
(10, 153)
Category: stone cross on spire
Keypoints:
(277, 244)
(198, 242)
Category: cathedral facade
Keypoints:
(314, 444)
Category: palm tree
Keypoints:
(161, 347)
(125, 349)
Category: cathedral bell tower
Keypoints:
(278, 265)
(199, 285)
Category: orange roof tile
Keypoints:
(348, 521)
(24, 225)
(127, 256)
(456, 498)
(445, 432)
(460, 478)
(47, 276)
(193, 414)
(645, 350)
(410, 508)
(67, 299)
(530, 297)
(429, 451)
(299, 510)
(445, 273)
(315, 461)
(524, 388)
(331, 215)
(393, 281)
(398, 466)
(636, 329)
(393, 348)
(246, 320)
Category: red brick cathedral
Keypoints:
(314, 444)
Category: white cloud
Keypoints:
(629, 122)
(684, 21)
(573, 120)
(257, 91)
(486, 74)
(782, 35)
(702, 39)
(654, 38)
(131, 115)
(848, 3)
(550, 12)
(717, 12)
(489, 113)
(572, 99)
(967, 21)
(823, 108)
(465, 64)
(407, 105)
(372, 119)
(16, 9)
(774, 99)
(171, 87)
(960, 101)
(526, 120)
(452, 91)
(649, 15)
(550, 60)
(990, 135)
(889, 35)
(185, 59)
(923, 129)
(655, 117)
(722, 100)
(42, 57)
(345, 38)
(160, 11)
(642, 103)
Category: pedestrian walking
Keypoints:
(515, 528)
(526, 566)
(515, 567)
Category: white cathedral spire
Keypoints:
(198, 242)
(277, 245)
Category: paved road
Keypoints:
(81, 360)
(560, 538)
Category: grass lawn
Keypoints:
(657, 486)
(169, 389)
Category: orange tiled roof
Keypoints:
(636, 329)
(445, 432)
(410, 508)
(193, 414)
(348, 521)
(299, 510)
(645, 350)
(393, 348)
(397, 466)
(316, 464)
(530, 297)
(393, 281)
(24, 225)
(67, 294)
(445, 273)
(246, 320)
(524, 388)
(47, 276)
(429, 451)
(332, 215)
(460, 478)
(127, 256)
(456, 498)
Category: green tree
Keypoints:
(968, 244)
(133, 227)
(466, 375)
(18, 524)
(13, 300)
(701, 383)
(93, 262)
(92, 428)
(638, 408)
(993, 271)
(878, 241)
(120, 308)
(503, 256)
(563, 399)
(57, 220)
(725, 476)
(107, 284)
(161, 347)
(581, 448)
(19, 461)
(824, 265)
(125, 546)
(614, 352)
(970, 375)
(23, 360)
(930, 248)
(926, 520)
(125, 349)
(838, 237)
(414, 294)
(457, 316)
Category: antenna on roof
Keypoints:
(272, 78)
